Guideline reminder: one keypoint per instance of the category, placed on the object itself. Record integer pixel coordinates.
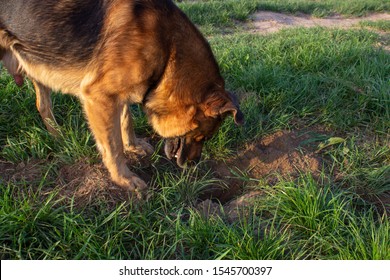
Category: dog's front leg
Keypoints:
(131, 143)
(103, 113)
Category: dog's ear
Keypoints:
(222, 105)
(231, 108)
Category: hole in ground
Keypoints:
(284, 153)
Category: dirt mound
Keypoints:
(85, 182)
(88, 183)
(82, 181)
(283, 153)
(280, 153)
(268, 22)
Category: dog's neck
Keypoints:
(191, 71)
(190, 76)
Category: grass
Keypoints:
(337, 80)
(381, 25)
(296, 220)
(308, 74)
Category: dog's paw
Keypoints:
(134, 184)
(141, 190)
(141, 148)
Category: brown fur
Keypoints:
(153, 56)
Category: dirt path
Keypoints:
(268, 22)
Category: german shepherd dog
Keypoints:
(112, 53)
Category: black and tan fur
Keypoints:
(111, 53)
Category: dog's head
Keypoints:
(186, 128)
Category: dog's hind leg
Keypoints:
(45, 107)
(131, 143)
(104, 113)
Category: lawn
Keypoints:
(306, 177)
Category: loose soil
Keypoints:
(281, 154)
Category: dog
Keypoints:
(112, 53)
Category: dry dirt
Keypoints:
(280, 154)
(268, 22)
(84, 182)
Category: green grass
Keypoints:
(308, 74)
(337, 80)
(327, 7)
(296, 220)
(381, 25)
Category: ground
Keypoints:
(283, 153)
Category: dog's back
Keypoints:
(71, 28)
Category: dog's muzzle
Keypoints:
(181, 150)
